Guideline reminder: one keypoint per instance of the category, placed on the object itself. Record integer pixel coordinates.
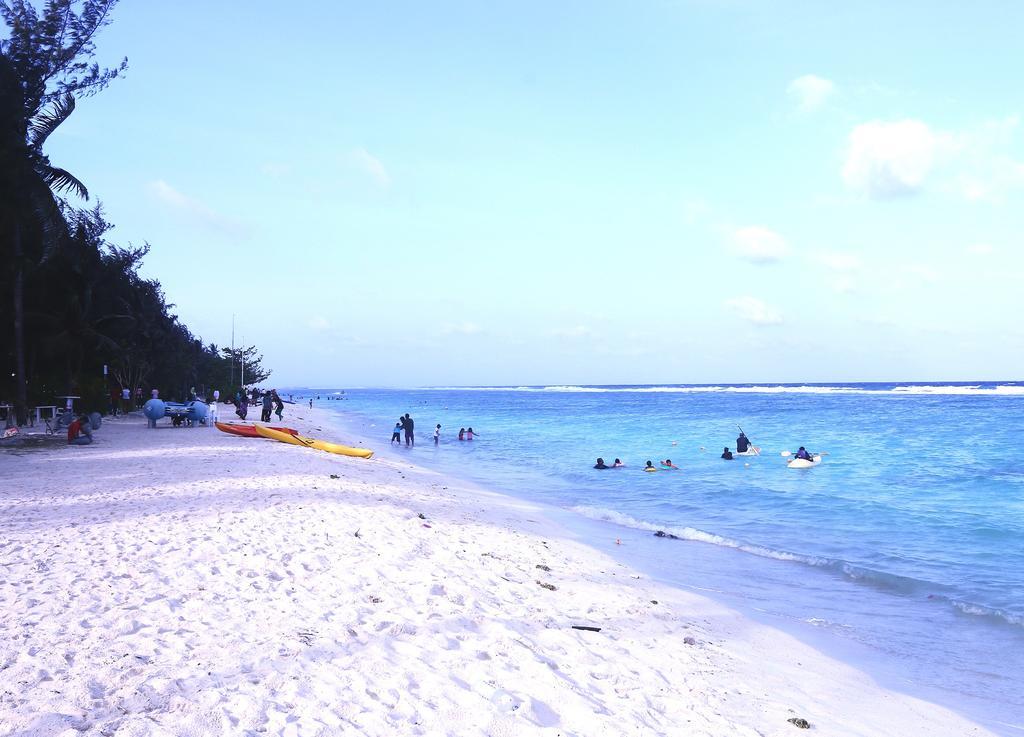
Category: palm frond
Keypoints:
(52, 225)
(61, 180)
(49, 120)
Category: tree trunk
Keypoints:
(21, 385)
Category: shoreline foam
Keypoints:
(186, 581)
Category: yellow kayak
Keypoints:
(342, 450)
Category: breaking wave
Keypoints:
(1005, 390)
(858, 574)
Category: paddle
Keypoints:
(757, 451)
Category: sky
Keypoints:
(704, 191)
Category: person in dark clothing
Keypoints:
(727, 454)
(600, 464)
(410, 438)
(278, 405)
(268, 402)
(742, 443)
(802, 453)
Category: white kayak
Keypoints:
(751, 451)
(803, 462)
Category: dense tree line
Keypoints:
(74, 303)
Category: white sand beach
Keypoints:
(187, 582)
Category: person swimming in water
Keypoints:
(462, 433)
(727, 454)
(650, 467)
(618, 464)
(667, 463)
(600, 464)
(469, 433)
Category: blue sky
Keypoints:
(470, 193)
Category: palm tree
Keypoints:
(33, 215)
(44, 63)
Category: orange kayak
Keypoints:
(248, 431)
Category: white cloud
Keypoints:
(759, 244)
(462, 328)
(980, 249)
(319, 323)
(194, 209)
(886, 160)
(890, 159)
(810, 91)
(754, 310)
(372, 166)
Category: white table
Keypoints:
(51, 407)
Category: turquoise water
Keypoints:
(903, 551)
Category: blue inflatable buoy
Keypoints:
(197, 411)
(154, 409)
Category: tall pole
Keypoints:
(243, 363)
(232, 349)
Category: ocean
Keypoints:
(903, 552)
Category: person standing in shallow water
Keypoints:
(410, 437)
(437, 434)
(396, 434)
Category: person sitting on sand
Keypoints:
(650, 467)
(802, 453)
(726, 454)
(618, 464)
(396, 434)
(462, 433)
(79, 431)
(600, 464)
(667, 463)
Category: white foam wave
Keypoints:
(690, 533)
(854, 573)
(982, 611)
(1004, 390)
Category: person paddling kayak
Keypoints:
(742, 443)
(802, 453)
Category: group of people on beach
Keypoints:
(405, 426)
(271, 403)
